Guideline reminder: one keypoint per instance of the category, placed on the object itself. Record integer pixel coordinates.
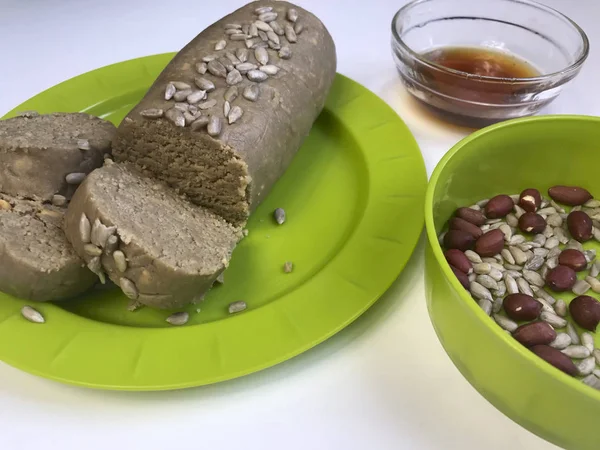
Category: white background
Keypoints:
(383, 383)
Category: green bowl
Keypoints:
(505, 159)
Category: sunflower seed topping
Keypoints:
(178, 318)
(92, 250)
(261, 55)
(285, 52)
(152, 113)
(263, 9)
(298, 28)
(31, 314)
(217, 69)
(235, 114)
(268, 17)
(262, 26)
(292, 15)
(505, 323)
(239, 37)
(236, 307)
(231, 94)
(196, 96)
(246, 67)
(257, 75)
(120, 261)
(288, 267)
(128, 288)
(204, 84)
(242, 54)
(290, 34)
(215, 126)
(233, 77)
(233, 26)
(251, 92)
(220, 45)
(180, 96)
(273, 37)
(277, 29)
(226, 108)
(207, 104)
(269, 69)
(175, 116)
(200, 123)
(57, 200)
(170, 91)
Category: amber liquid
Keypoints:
(464, 98)
(482, 61)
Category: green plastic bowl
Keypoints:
(505, 159)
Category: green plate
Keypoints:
(354, 200)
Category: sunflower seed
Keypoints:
(235, 114)
(472, 277)
(175, 116)
(533, 277)
(560, 307)
(75, 178)
(512, 221)
(292, 15)
(152, 113)
(231, 94)
(482, 268)
(487, 282)
(535, 263)
(226, 63)
(269, 69)
(580, 287)
(242, 54)
(298, 28)
(554, 253)
(204, 84)
(178, 318)
(285, 52)
(485, 305)
(596, 354)
(221, 278)
(513, 273)
(472, 256)
(120, 261)
(590, 255)
(261, 55)
(128, 288)
(279, 216)
(596, 233)
(553, 319)
(595, 269)
(263, 9)
(232, 58)
(246, 28)
(545, 305)
(170, 91)
(180, 96)
(92, 250)
(573, 334)
(201, 68)
(288, 267)
(209, 58)
(253, 30)
(112, 243)
(479, 291)
(505, 323)
(591, 381)
(268, 17)
(217, 69)
(554, 220)
(31, 314)
(220, 45)
(574, 244)
(215, 126)
(256, 75)
(586, 366)
(541, 252)
(239, 37)
(511, 285)
(516, 239)
(233, 77)
(576, 208)
(508, 257)
(226, 108)
(594, 284)
(232, 31)
(562, 341)
(290, 34)
(496, 274)
(497, 304)
(244, 68)
(262, 26)
(196, 96)
(551, 243)
(233, 26)
(263, 36)
(251, 92)
(524, 287)
(587, 340)
(207, 104)
(57, 200)
(28, 114)
(236, 307)
(277, 29)
(183, 107)
(273, 37)
(200, 123)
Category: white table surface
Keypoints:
(383, 383)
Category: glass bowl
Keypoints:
(552, 43)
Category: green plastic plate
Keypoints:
(354, 199)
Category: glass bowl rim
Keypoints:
(490, 79)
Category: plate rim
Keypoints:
(376, 238)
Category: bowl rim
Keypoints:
(574, 67)
(542, 365)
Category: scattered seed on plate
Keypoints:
(560, 307)
(31, 314)
(279, 215)
(221, 45)
(215, 125)
(120, 261)
(251, 92)
(178, 318)
(285, 52)
(236, 307)
(573, 334)
(128, 287)
(288, 267)
(152, 113)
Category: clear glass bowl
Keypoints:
(549, 41)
